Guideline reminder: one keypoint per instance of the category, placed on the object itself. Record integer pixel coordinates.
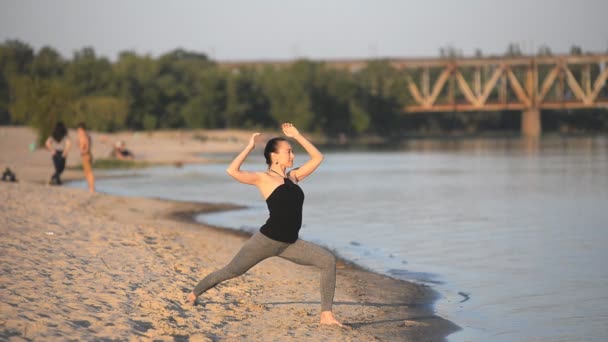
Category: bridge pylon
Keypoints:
(530, 123)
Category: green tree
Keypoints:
(5, 117)
(235, 106)
(246, 105)
(206, 107)
(513, 50)
(48, 63)
(133, 79)
(334, 103)
(288, 91)
(451, 52)
(15, 58)
(381, 94)
(87, 74)
(544, 50)
(102, 113)
(179, 72)
(41, 103)
(576, 50)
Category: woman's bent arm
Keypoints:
(316, 157)
(234, 169)
(49, 146)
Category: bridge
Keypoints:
(528, 84)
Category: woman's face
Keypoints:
(284, 154)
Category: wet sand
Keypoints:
(102, 267)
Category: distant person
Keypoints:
(84, 142)
(279, 236)
(59, 145)
(121, 152)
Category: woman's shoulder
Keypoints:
(263, 174)
(262, 177)
(292, 175)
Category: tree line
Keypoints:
(185, 89)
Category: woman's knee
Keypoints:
(230, 272)
(328, 260)
(236, 268)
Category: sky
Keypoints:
(232, 30)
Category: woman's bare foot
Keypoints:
(191, 299)
(328, 318)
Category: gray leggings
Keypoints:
(260, 247)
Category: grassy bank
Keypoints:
(107, 164)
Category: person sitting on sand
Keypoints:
(279, 236)
(121, 152)
(59, 145)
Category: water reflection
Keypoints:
(528, 146)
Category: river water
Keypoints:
(513, 235)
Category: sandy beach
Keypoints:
(101, 267)
(159, 147)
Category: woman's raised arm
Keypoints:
(234, 169)
(316, 157)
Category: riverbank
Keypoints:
(98, 266)
(81, 266)
(31, 164)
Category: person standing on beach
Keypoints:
(59, 145)
(279, 235)
(84, 142)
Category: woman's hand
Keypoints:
(252, 140)
(290, 130)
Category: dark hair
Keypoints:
(82, 125)
(59, 132)
(271, 146)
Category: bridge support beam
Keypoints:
(530, 123)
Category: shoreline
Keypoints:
(191, 209)
(355, 273)
(108, 250)
(101, 266)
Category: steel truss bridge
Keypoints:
(528, 84)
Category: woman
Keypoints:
(84, 143)
(279, 236)
(59, 145)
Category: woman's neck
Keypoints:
(280, 172)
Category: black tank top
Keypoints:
(285, 209)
